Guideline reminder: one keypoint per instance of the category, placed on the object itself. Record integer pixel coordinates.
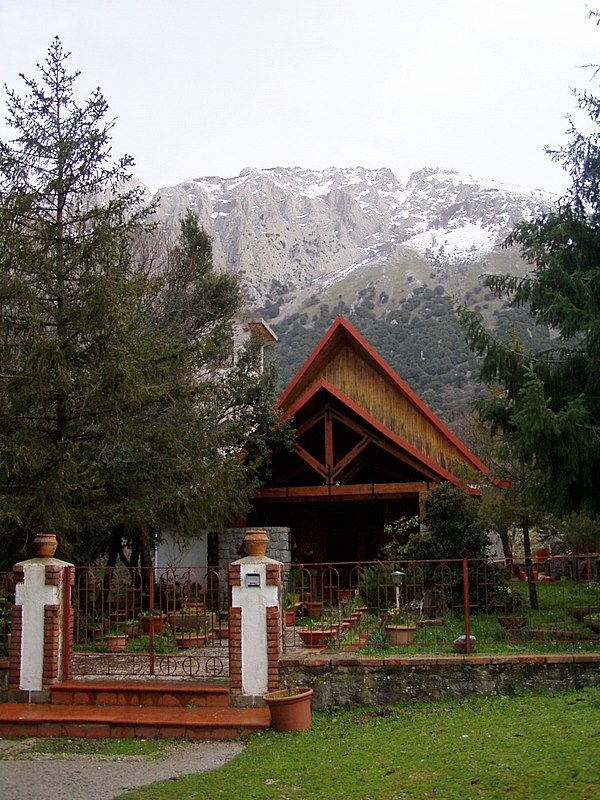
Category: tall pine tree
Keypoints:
(547, 404)
(115, 420)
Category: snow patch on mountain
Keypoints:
(466, 243)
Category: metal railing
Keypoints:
(506, 608)
(170, 622)
(176, 623)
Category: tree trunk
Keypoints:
(533, 597)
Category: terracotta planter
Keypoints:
(401, 634)
(45, 544)
(152, 623)
(290, 709)
(512, 623)
(290, 618)
(314, 637)
(256, 543)
(593, 623)
(191, 640)
(314, 608)
(116, 643)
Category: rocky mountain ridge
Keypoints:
(287, 230)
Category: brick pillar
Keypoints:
(42, 632)
(255, 628)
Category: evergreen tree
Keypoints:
(547, 404)
(116, 418)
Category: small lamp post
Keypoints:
(397, 578)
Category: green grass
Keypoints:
(530, 747)
(113, 748)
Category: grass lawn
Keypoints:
(545, 747)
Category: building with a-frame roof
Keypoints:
(367, 450)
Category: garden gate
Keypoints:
(150, 622)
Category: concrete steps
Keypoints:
(133, 709)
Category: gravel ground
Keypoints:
(34, 776)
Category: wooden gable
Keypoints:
(352, 370)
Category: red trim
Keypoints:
(341, 328)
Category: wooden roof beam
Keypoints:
(342, 491)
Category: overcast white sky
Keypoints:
(208, 87)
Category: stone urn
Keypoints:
(256, 543)
(45, 544)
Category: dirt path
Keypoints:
(33, 776)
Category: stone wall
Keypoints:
(341, 681)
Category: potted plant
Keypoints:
(152, 620)
(116, 642)
(593, 621)
(187, 640)
(318, 634)
(579, 612)
(314, 608)
(291, 603)
(512, 623)
(400, 626)
(290, 708)
(131, 627)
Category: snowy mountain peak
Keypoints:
(290, 225)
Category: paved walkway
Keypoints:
(33, 776)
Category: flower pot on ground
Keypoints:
(199, 605)
(512, 623)
(290, 709)
(291, 603)
(191, 620)
(317, 636)
(579, 612)
(400, 634)
(314, 608)
(152, 621)
(186, 640)
(130, 627)
(593, 622)
(400, 625)
(116, 642)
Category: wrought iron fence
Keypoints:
(176, 620)
(170, 622)
(450, 606)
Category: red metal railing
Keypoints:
(446, 601)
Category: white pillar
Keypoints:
(40, 648)
(255, 622)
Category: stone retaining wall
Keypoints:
(351, 681)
